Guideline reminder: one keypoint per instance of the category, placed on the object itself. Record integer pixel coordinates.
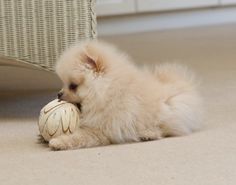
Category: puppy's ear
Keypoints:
(94, 63)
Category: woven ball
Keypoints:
(57, 118)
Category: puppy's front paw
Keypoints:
(59, 143)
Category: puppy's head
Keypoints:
(81, 68)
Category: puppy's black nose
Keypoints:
(59, 95)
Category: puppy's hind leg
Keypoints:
(150, 134)
(82, 138)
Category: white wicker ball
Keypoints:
(57, 118)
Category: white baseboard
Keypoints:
(167, 20)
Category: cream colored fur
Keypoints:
(122, 103)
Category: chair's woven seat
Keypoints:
(37, 31)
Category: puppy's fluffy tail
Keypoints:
(174, 73)
(183, 104)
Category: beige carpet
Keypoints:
(204, 158)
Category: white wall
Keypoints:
(147, 15)
(119, 7)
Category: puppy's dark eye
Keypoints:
(73, 86)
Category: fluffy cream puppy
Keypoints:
(121, 103)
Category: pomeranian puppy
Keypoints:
(121, 103)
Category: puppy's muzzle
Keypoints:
(59, 95)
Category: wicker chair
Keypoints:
(37, 31)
